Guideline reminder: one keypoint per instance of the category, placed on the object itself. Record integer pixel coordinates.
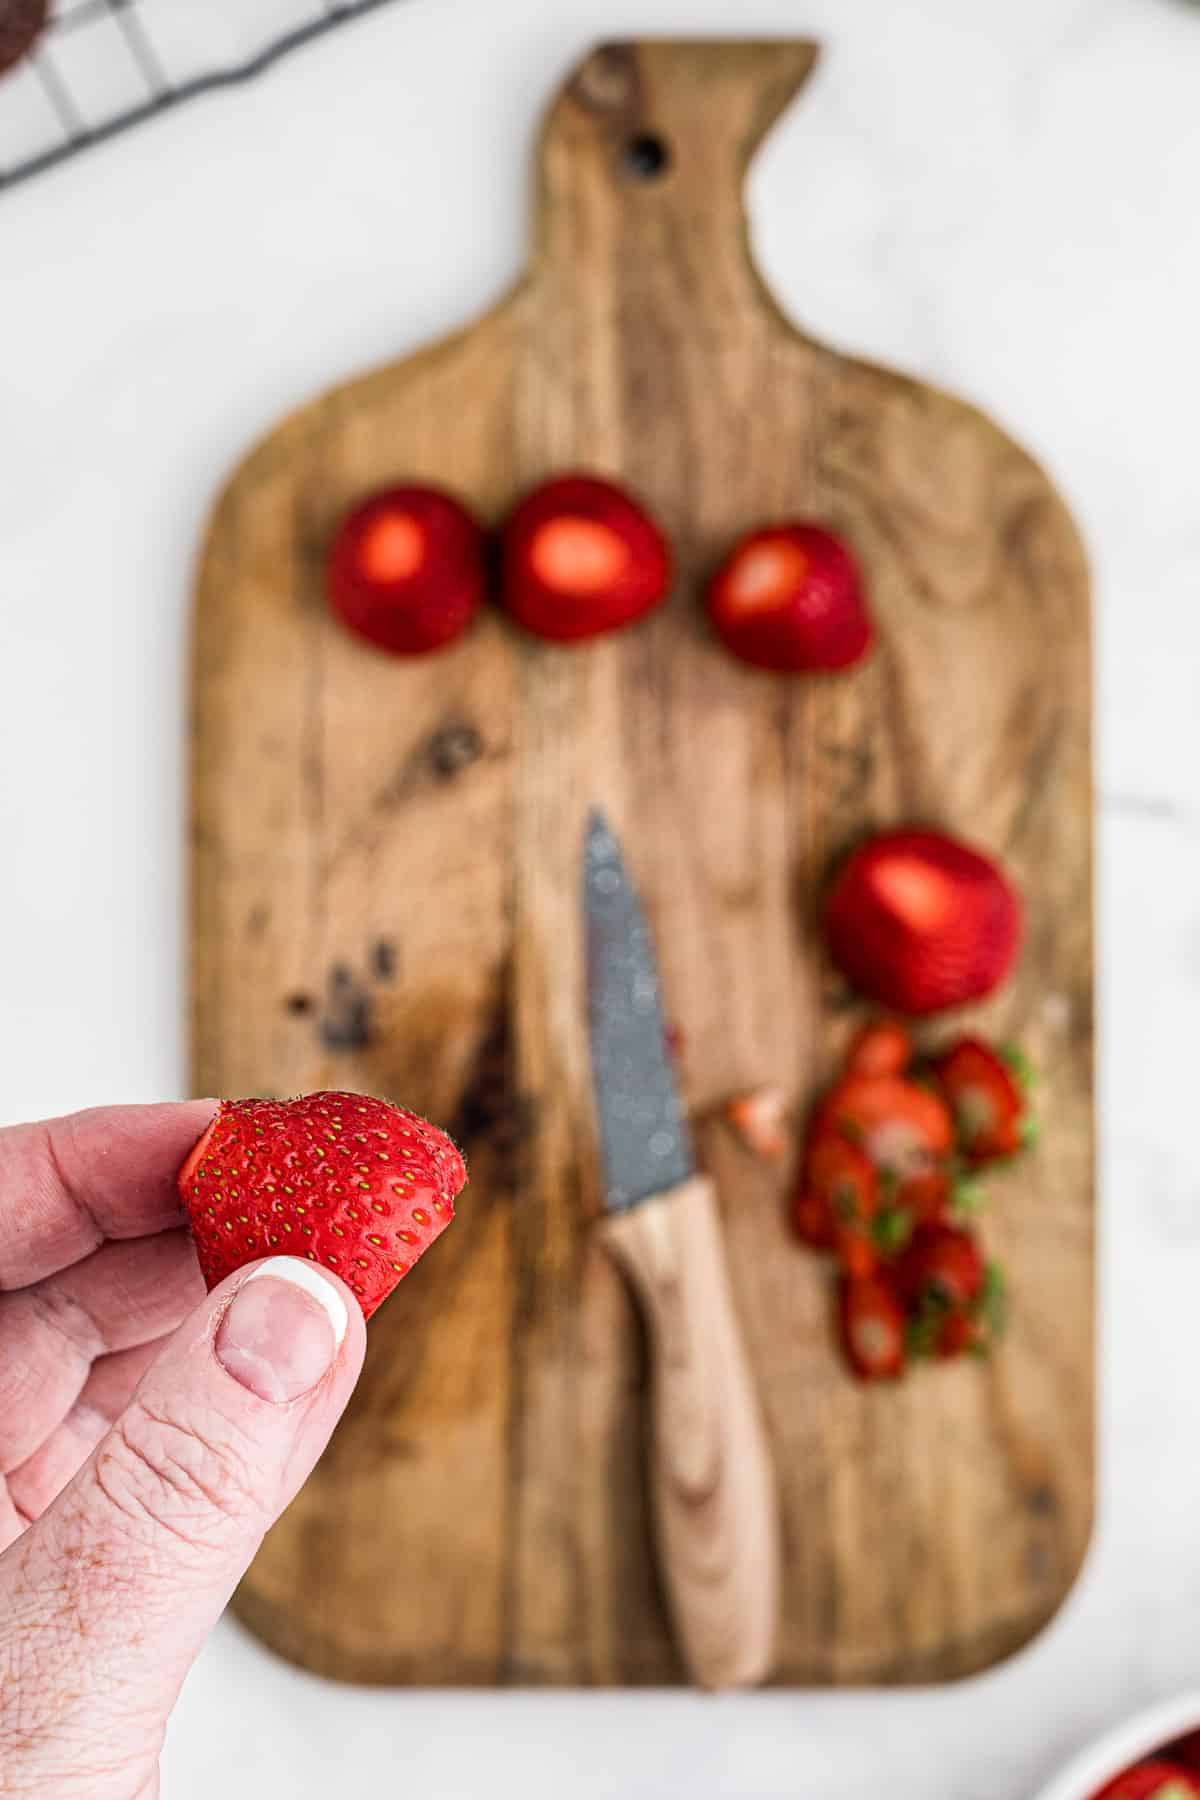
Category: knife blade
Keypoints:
(643, 1131)
(712, 1486)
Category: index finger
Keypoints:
(68, 1184)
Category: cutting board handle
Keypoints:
(643, 161)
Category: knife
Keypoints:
(712, 1484)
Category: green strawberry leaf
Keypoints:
(891, 1229)
(920, 1336)
(1031, 1131)
(992, 1304)
(1019, 1065)
(967, 1196)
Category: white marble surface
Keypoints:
(1004, 198)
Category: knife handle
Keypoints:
(713, 1488)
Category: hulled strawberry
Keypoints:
(790, 598)
(581, 557)
(355, 1183)
(920, 922)
(407, 571)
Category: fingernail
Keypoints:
(283, 1329)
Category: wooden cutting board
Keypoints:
(385, 897)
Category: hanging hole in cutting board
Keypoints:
(647, 157)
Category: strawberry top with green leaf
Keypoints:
(985, 1097)
(355, 1183)
(942, 1262)
(873, 1331)
(902, 1126)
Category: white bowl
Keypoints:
(1129, 1743)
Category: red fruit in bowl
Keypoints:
(406, 570)
(581, 557)
(920, 922)
(1154, 1780)
(985, 1098)
(357, 1184)
(790, 598)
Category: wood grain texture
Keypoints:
(712, 1484)
(385, 897)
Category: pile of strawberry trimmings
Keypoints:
(889, 1186)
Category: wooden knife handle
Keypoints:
(714, 1492)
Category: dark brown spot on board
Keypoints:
(346, 1020)
(454, 748)
(384, 960)
(491, 1110)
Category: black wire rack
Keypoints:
(103, 66)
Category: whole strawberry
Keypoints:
(406, 570)
(355, 1183)
(581, 557)
(919, 921)
(790, 598)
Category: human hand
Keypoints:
(149, 1435)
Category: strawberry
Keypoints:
(758, 1118)
(958, 1332)
(920, 922)
(902, 1127)
(790, 598)
(406, 570)
(985, 1098)
(811, 1219)
(942, 1263)
(884, 1047)
(925, 1194)
(1153, 1780)
(841, 1176)
(837, 1201)
(358, 1184)
(872, 1328)
(581, 557)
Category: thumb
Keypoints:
(130, 1568)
